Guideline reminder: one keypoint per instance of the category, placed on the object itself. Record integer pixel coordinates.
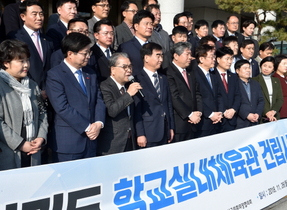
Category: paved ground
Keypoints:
(279, 205)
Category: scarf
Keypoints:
(22, 88)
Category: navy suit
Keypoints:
(38, 68)
(185, 100)
(74, 110)
(153, 115)
(101, 63)
(230, 99)
(132, 48)
(254, 106)
(57, 32)
(211, 100)
(254, 65)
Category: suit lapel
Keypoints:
(71, 77)
(149, 83)
(264, 87)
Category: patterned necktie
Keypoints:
(37, 44)
(224, 82)
(208, 79)
(122, 90)
(81, 81)
(108, 53)
(185, 77)
(156, 84)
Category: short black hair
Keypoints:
(11, 49)
(206, 39)
(246, 23)
(201, 51)
(74, 42)
(98, 25)
(141, 15)
(266, 46)
(126, 4)
(145, 3)
(152, 6)
(148, 48)
(23, 6)
(99, 1)
(176, 18)
(240, 63)
(227, 40)
(222, 51)
(74, 20)
(200, 23)
(179, 30)
(62, 2)
(188, 14)
(278, 59)
(246, 42)
(216, 23)
(267, 59)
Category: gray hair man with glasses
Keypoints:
(101, 10)
(125, 31)
(118, 133)
(102, 50)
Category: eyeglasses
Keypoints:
(104, 5)
(126, 67)
(86, 54)
(132, 10)
(85, 32)
(107, 32)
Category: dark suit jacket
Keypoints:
(184, 99)
(230, 99)
(74, 110)
(11, 20)
(113, 137)
(38, 68)
(152, 111)
(192, 40)
(101, 63)
(254, 65)
(123, 33)
(57, 32)
(277, 95)
(211, 99)
(132, 48)
(255, 106)
(283, 110)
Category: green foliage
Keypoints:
(252, 6)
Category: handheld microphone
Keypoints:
(132, 79)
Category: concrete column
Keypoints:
(169, 8)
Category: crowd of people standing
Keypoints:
(86, 88)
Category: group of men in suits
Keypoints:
(89, 85)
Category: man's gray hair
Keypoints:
(114, 58)
(180, 47)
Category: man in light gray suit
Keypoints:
(125, 31)
(117, 135)
(101, 10)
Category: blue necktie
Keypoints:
(81, 81)
(208, 79)
(156, 84)
(108, 53)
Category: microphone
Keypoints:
(132, 79)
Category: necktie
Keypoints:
(185, 77)
(37, 44)
(156, 84)
(108, 53)
(122, 90)
(208, 79)
(81, 81)
(224, 82)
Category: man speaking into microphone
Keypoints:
(118, 134)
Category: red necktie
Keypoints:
(185, 77)
(224, 82)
